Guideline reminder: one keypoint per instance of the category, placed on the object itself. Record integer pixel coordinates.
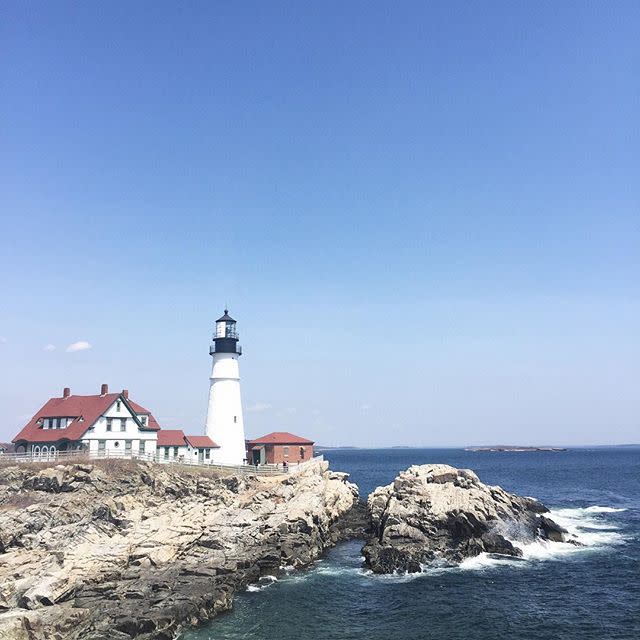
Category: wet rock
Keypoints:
(437, 513)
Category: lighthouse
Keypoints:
(224, 415)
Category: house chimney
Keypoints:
(125, 394)
(66, 392)
(104, 389)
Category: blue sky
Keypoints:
(425, 217)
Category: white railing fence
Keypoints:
(158, 458)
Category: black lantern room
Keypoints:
(225, 339)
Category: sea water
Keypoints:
(557, 591)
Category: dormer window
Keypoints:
(143, 420)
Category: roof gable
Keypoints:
(86, 410)
(152, 423)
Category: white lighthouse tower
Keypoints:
(224, 415)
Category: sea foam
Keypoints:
(585, 525)
(263, 583)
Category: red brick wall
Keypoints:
(276, 453)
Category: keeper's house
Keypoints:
(100, 424)
(279, 447)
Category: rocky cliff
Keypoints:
(125, 549)
(440, 514)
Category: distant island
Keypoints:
(330, 447)
(515, 448)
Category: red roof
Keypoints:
(171, 438)
(199, 442)
(176, 438)
(280, 437)
(89, 408)
(152, 423)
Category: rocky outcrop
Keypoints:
(440, 514)
(133, 550)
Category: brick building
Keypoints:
(279, 447)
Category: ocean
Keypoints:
(557, 591)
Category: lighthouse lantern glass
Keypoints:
(226, 329)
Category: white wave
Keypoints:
(254, 587)
(581, 512)
(263, 583)
(585, 525)
(287, 568)
(485, 561)
(329, 570)
(597, 509)
(398, 576)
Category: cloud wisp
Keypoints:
(49, 347)
(81, 345)
(259, 407)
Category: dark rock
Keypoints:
(552, 530)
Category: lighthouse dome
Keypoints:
(226, 317)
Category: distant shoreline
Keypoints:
(516, 448)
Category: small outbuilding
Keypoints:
(175, 446)
(279, 447)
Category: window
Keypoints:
(101, 446)
(166, 452)
(207, 454)
(285, 450)
(175, 452)
(123, 424)
(109, 421)
(127, 446)
(143, 420)
(235, 418)
(118, 405)
(142, 445)
(301, 453)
